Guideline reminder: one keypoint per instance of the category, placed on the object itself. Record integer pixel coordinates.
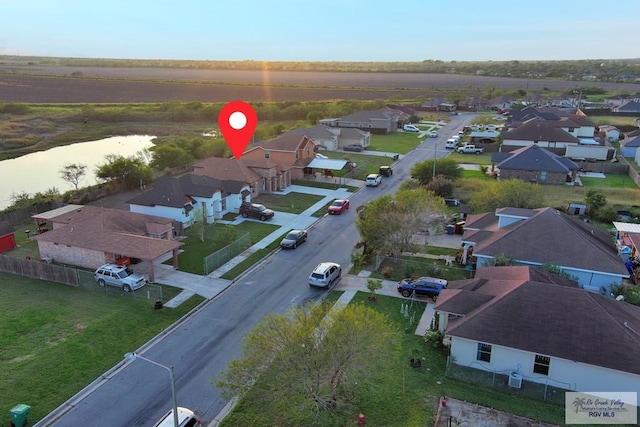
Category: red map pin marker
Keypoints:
(237, 121)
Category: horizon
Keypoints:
(328, 31)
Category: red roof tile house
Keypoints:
(526, 324)
(280, 160)
(89, 236)
(7, 236)
(545, 236)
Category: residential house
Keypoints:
(629, 146)
(280, 160)
(191, 198)
(7, 236)
(535, 164)
(524, 323)
(90, 236)
(439, 104)
(378, 122)
(610, 133)
(230, 170)
(538, 131)
(545, 236)
(502, 102)
(333, 139)
(628, 107)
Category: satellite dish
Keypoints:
(620, 298)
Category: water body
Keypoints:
(39, 172)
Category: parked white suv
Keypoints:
(120, 276)
(410, 128)
(325, 275)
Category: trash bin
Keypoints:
(19, 414)
(450, 228)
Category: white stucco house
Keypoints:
(191, 197)
(528, 324)
(542, 236)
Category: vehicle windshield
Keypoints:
(125, 273)
(337, 203)
(291, 236)
(260, 207)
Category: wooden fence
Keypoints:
(40, 270)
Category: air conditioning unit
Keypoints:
(515, 380)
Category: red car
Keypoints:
(338, 206)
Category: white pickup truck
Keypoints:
(470, 149)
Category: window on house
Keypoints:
(224, 203)
(541, 364)
(267, 154)
(484, 352)
(297, 154)
(535, 142)
(543, 175)
(572, 129)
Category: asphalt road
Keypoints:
(138, 393)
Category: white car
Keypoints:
(410, 128)
(373, 180)
(325, 275)
(451, 144)
(433, 134)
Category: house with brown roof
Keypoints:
(527, 324)
(191, 198)
(230, 170)
(280, 160)
(535, 164)
(545, 236)
(90, 236)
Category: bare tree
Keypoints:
(73, 173)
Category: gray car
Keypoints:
(120, 276)
(293, 239)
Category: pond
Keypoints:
(40, 171)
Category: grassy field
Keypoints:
(408, 396)
(56, 339)
(613, 120)
(395, 142)
(292, 202)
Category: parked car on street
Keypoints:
(410, 128)
(451, 144)
(256, 211)
(325, 275)
(353, 147)
(433, 134)
(373, 180)
(293, 239)
(338, 206)
(422, 286)
(469, 149)
(120, 276)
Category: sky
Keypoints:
(330, 30)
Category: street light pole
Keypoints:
(134, 356)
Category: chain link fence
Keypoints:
(500, 380)
(218, 258)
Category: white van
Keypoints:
(186, 418)
(410, 128)
(451, 144)
(456, 138)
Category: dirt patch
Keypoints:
(458, 413)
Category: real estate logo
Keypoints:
(601, 408)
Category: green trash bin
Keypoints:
(19, 414)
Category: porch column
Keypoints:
(152, 275)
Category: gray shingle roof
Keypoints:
(542, 317)
(538, 129)
(553, 237)
(6, 228)
(635, 142)
(176, 192)
(534, 158)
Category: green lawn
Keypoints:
(253, 259)
(292, 202)
(406, 396)
(476, 159)
(327, 185)
(395, 142)
(610, 181)
(56, 339)
(217, 236)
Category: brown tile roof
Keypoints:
(545, 318)
(228, 169)
(112, 230)
(538, 129)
